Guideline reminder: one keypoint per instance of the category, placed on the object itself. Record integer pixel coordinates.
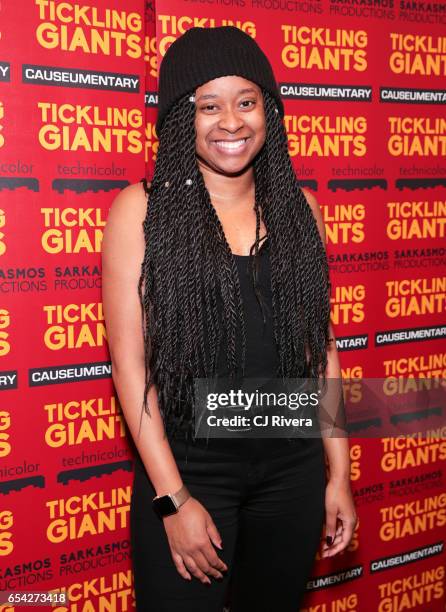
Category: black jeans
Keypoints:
(268, 505)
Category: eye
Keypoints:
(208, 107)
(248, 103)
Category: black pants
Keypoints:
(268, 506)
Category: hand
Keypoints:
(339, 505)
(191, 533)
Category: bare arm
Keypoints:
(340, 513)
(336, 448)
(191, 531)
(122, 254)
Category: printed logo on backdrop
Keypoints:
(416, 136)
(407, 556)
(5, 72)
(5, 442)
(421, 589)
(415, 484)
(72, 27)
(72, 230)
(71, 518)
(369, 494)
(415, 297)
(345, 225)
(420, 137)
(313, 7)
(91, 128)
(347, 603)
(64, 278)
(420, 12)
(309, 47)
(405, 11)
(75, 423)
(170, 27)
(151, 99)
(408, 453)
(348, 308)
(432, 365)
(340, 577)
(106, 591)
(332, 93)
(82, 79)
(330, 136)
(326, 135)
(413, 221)
(8, 378)
(14, 477)
(406, 95)
(410, 334)
(7, 532)
(417, 54)
(71, 423)
(92, 557)
(72, 327)
(13, 171)
(56, 375)
(408, 519)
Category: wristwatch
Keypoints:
(169, 504)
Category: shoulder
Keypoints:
(130, 203)
(314, 205)
(123, 232)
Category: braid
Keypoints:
(299, 268)
(189, 286)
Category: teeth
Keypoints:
(230, 145)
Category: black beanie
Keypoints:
(203, 54)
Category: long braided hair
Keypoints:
(189, 288)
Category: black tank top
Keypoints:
(262, 358)
(261, 353)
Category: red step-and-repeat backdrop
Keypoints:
(364, 90)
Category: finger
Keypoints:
(204, 565)
(181, 568)
(214, 534)
(338, 533)
(213, 559)
(189, 562)
(345, 538)
(330, 525)
(211, 555)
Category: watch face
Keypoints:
(164, 505)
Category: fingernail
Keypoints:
(329, 540)
(220, 546)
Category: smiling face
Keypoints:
(230, 124)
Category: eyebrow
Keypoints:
(213, 96)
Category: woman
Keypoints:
(225, 516)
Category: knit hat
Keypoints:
(203, 54)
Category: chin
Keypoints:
(232, 168)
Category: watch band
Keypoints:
(180, 496)
(171, 499)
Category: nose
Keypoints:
(230, 120)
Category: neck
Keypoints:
(238, 188)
